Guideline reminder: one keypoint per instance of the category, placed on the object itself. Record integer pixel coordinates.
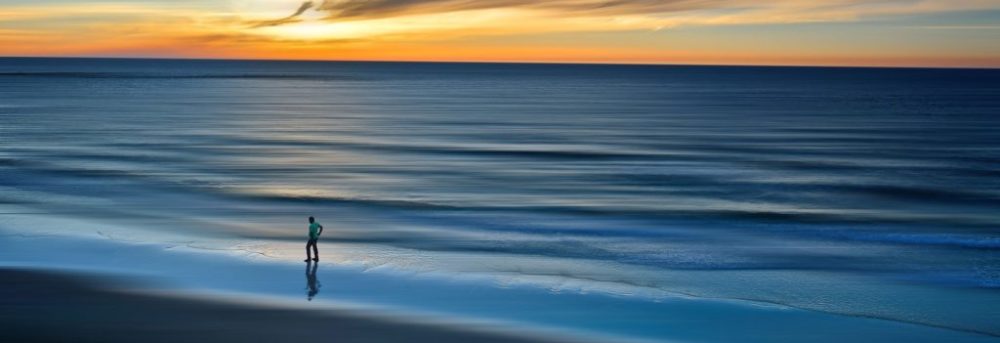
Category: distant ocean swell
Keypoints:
(167, 76)
(684, 184)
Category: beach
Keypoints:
(83, 312)
(102, 290)
(492, 201)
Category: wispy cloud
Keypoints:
(778, 10)
(294, 18)
(384, 8)
(448, 19)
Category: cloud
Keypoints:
(385, 8)
(302, 8)
(761, 10)
(441, 20)
(305, 6)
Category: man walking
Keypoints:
(315, 229)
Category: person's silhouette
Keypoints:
(315, 229)
(311, 283)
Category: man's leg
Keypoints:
(315, 251)
(308, 255)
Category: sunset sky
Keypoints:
(954, 33)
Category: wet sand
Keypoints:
(101, 290)
(45, 306)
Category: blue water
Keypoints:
(519, 310)
(828, 189)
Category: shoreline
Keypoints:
(88, 313)
(455, 304)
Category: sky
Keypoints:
(938, 33)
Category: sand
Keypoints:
(40, 306)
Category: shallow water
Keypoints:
(829, 189)
(458, 303)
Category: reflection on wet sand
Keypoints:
(311, 283)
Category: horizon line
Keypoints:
(608, 63)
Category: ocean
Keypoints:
(871, 192)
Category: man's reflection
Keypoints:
(311, 283)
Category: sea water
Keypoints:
(869, 192)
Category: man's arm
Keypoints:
(320, 231)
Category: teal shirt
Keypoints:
(314, 230)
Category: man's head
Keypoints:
(311, 219)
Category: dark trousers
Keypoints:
(312, 243)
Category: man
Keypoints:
(315, 229)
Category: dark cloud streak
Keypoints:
(302, 8)
(305, 6)
(386, 8)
